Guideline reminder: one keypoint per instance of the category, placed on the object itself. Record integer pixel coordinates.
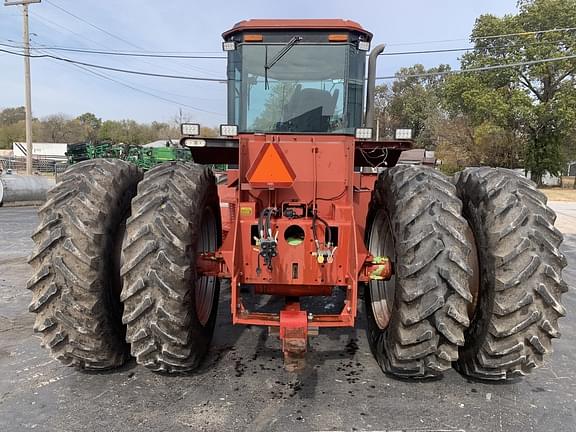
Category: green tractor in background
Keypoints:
(143, 157)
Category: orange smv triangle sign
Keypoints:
(271, 168)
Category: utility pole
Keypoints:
(26, 35)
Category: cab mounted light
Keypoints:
(190, 129)
(194, 142)
(403, 134)
(363, 133)
(253, 38)
(228, 130)
(338, 38)
(363, 45)
(229, 46)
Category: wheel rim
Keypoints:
(206, 285)
(382, 292)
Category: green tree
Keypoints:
(412, 101)
(533, 102)
(12, 126)
(58, 128)
(127, 132)
(10, 116)
(491, 118)
(111, 130)
(87, 127)
(11, 133)
(91, 126)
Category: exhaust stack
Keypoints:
(371, 85)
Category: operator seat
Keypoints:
(311, 109)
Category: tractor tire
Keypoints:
(416, 321)
(76, 261)
(169, 312)
(520, 263)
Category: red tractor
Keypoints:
(462, 271)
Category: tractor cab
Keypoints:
(304, 76)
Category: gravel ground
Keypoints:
(242, 384)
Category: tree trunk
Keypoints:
(536, 177)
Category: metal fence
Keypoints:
(17, 165)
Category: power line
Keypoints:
(132, 54)
(92, 25)
(448, 50)
(480, 69)
(125, 51)
(183, 77)
(43, 20)
(139, 90)
(499, 36)
(190, 56)
(438, 51)
(185, 56)
(113, 69)
(429, 42)
(537, 32)
(117, 53)
(159, 52)
(189, 67)
(181, 55)
(155, 90)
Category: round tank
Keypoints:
(23, 190)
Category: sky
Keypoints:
(196, 27)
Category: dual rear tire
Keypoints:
(477, 279)
(115, 266)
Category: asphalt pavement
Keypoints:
(242, 384)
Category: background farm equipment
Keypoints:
(143, 157)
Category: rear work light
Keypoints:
(363, 133)
(228, 130)
(364, 45)
(190, 129)
(403, 134)
(229, 46)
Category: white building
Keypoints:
(547, 178)
(52, 151)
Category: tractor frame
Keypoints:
(314, 184)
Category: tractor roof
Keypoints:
(297, 24)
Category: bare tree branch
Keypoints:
(526, 82)
(563, 77)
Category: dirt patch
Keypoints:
(557, 194)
